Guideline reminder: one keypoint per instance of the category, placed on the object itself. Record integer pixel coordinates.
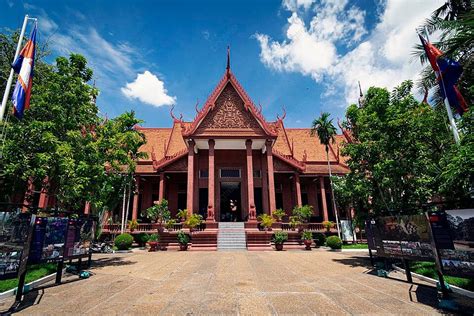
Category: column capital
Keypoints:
(211, 142)
(248, 142)
(191, 142)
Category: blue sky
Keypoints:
(306, 55)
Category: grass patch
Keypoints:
(355, 246)
(34, 272)
(428, 269)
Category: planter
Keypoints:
(183, 247)
(307, 243)
(153, 245)
(279, 247)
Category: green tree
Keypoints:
(395, 159)
(326, 131)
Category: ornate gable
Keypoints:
(229, 112)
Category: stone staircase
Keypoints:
(231, 236)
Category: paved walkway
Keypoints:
(252, 283)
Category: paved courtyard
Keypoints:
(251, 283)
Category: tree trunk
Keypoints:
(332, 195)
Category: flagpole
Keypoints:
(10, 78)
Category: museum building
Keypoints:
(231, 164)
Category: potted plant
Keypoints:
(132, 225)
(328, 225)
(153, 241)
(279, 214)
(170, 224)
(266, 221)
(141, 239)
(183, 240)
(294, 222)
(303, 213)
(182, 215)
(159, 213)
(280, 237)
(193, 221)
(307, 238)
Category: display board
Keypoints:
(80, 234)
(347, 233)
(400, 237)
(15, 238)
(49, 237)
(456, 246)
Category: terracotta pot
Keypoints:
(183, 247)
(153, 245)
(279, 247)
(307, 244)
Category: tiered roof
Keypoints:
(294, 146)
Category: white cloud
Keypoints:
(148, 88)
(294, 5)
(382, 59)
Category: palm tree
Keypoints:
(325, 129)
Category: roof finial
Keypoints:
(360, 90)
(228, 59)
(361, 97)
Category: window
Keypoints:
(204, 173)
(257, 173)
(230, 173)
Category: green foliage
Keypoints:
(33, 273)
(355, 246)
(279, 214)
(294, 222)
(319, 238)
(182, 214)
(324, 129)
(396, 153)
(280, 237)
(63, 138)
(303, 213)
(194, 220)
(154, 238)
(266, 221)
(429, 269)
(334, 242)
(123, 241)
(132, 225)
(170, 224)
(159, 212)
(183, 238)
(141, 239)
(306, 235)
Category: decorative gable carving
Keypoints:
(229, 112)
(179, 165)
(279, 165)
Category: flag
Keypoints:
(23, 66)
(448, 72)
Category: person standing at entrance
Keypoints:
(233, 209)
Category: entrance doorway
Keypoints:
(231, 206)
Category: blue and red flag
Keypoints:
(448, 73)
(23, 66)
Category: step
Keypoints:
(231, 236)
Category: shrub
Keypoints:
(278, 214)
(141, 239)
(183, 238)
(280, 237)
(170, 224)
(132, 225)
(182, 214)
(294, 222)
(320, 239)
(307, 235)
(154, 238)
(334, 242)
(303, 213)
(266, 221)
(123, 241)
(193, 220)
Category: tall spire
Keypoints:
(228, 59)
(361, 97)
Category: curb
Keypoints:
(31, 285)
(433, 281)
(355, 250)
